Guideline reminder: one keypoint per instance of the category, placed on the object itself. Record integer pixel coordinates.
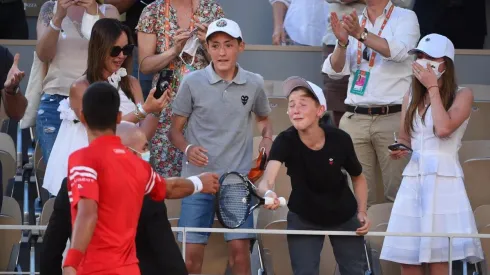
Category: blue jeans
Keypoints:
(48, 123)
(198, 211)
(144, 79)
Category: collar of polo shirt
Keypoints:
(214, 78)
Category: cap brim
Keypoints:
(216, 31)
(416, 51)
(291, 84)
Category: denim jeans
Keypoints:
(48, 123)
(144, 79)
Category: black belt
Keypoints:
(382, 110)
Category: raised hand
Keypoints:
(338, 29)
(14, 76)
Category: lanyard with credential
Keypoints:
(359, 44)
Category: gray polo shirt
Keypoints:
(220, 118)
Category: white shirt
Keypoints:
(390, 77)
(306, 20)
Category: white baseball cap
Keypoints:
(294, 82)
(227, 26)
(436, 46)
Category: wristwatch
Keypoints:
(363, 36)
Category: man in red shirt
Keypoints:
(106, 186)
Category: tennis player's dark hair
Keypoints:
(100, 106)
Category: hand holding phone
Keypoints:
(399, 147)
(165, 79)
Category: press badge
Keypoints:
(360, 82)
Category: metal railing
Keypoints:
(186, 230)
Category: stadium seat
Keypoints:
(277, 252)
(8, 159)
(279, 118)
(379, 213)
(7, 145)
(478, 125)
(474, 149)
(485, 242)
(273, 88)
(11, 208)
(9, 240)
(477, 179)
(376, 244)
(482, 216)
(47, 211)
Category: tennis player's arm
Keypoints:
(84, 225)
(170, 188)
(178, 188)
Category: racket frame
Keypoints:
(252, 193)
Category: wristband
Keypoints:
(73, 258)
(53, 26)
(187, 149)
(267, 193)
(268, 138)
(197, 184)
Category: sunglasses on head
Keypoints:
(126, 50)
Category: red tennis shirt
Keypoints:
(117, 180)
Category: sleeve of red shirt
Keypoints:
(155, 186)
(82, 177)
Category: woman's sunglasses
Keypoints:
(126, 50)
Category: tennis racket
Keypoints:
(235, 198)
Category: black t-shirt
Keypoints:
(133, 16)
(320, 192)
(6, 61)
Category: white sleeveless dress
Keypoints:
(432, 199)
(71, 137)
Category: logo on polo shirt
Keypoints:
(244, 99)
(330, 161)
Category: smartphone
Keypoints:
(399, 146)
(164, 80)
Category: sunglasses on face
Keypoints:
(126, 50)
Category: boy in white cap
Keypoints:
(216, 104)
(321, 199)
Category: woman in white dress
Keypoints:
(109, 47)
(432, 197)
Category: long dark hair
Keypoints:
(447, 91)
(105, 32)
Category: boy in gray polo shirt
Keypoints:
(217, 104)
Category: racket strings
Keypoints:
(234, 201)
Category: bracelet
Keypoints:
(141, 110)
(197, 184)
(268, 138)
(432, 87)
(73, 258)
(53, 26)
(267, 193)
(343, 46)
(138, 114)
(187, 148)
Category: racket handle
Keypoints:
(269, 201)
